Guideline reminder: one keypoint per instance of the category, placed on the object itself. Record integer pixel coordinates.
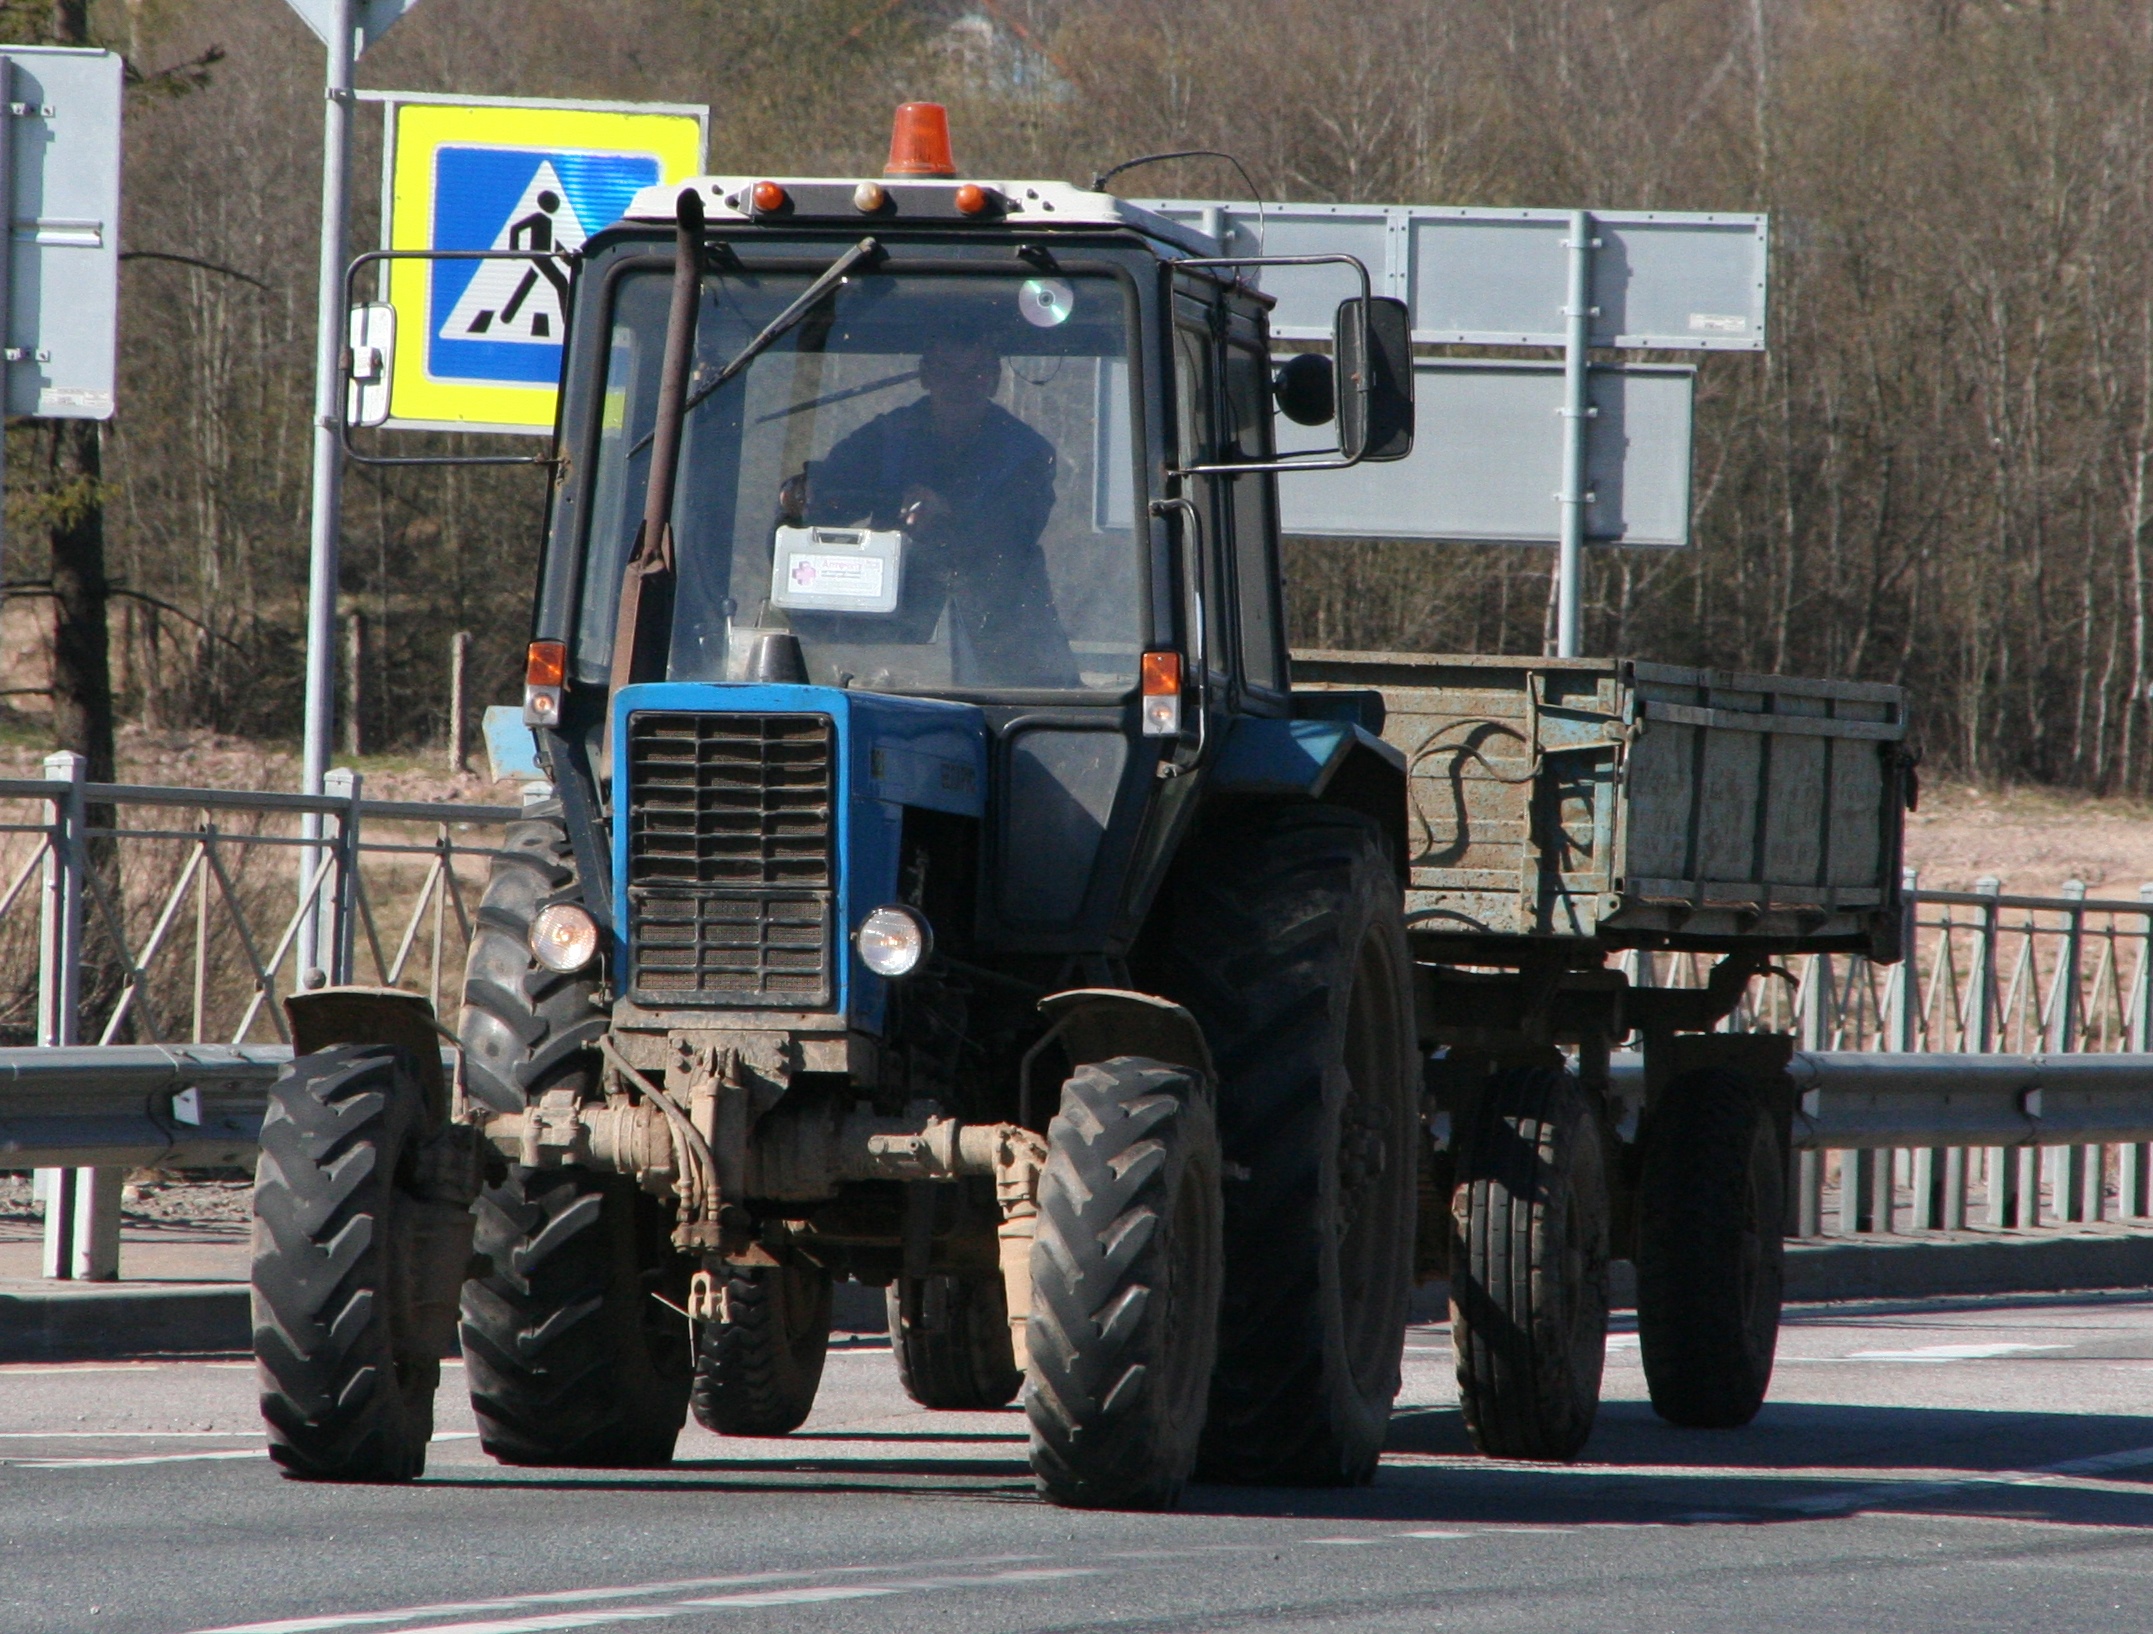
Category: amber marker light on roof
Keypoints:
(767, 196)
(973, 199)
(919, 141)
(1162, 694)
(869, 197)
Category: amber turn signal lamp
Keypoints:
(973, 199)
(1162, 694)
(767, 196)
(545, 674)
(546, 665)
(919, 141)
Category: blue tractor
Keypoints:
(941, 885)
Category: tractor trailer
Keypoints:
(948, 880)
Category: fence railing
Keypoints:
(135, 914)
(1985, 974)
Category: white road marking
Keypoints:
(1435, 1534)
(571, 1597)
(746, 1600)
(1622, 1341)
(1344, 1543)
(1904, 1491)
(126, 1460)
(120, 1435)
(1945, 1353)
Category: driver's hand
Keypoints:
(922, 508)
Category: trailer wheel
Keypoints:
(1528, 1262)
(1125, 1287)
(1286, 940)
(572, 1357)
(950, 1336)
(1710, 1251)
(758, 1366)
(351, 1309)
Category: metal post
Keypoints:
(82, 1206)
(1980, 1035)
(2137, 1178)
(2068, 1168)
(1811, 1028)
(328, 457)
(1577, 415)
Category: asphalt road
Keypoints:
(1969, 1464)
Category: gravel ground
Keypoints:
(150, 1199)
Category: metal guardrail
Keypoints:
(158, 930)
(1913, 1114)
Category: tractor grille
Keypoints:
(730, 870)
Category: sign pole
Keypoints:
(314, 933)
(1577, 420)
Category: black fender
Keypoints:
(1339, 762)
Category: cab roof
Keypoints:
(916, 201)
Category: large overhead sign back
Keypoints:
(1661, 280)
(478, 341)
(1495, 437)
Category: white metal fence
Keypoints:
(1986, 973)
(173, 915)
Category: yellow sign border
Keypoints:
(420, 130)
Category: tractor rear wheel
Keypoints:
(573, 1357)
(1125, 1287)
(355, 1268)
(1286, 940)
(1710, 1250)
(758, 1366)
(1528, 1266)
(950, 1336)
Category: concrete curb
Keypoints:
(93, 1321)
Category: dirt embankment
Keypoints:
(2032, 840)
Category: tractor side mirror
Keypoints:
(367, 363)
(1373, 342)
(1306, 389)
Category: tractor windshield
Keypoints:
(929, 481)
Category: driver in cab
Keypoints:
(972, 486)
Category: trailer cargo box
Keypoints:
(1630, 804)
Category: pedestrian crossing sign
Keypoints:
(478, 342)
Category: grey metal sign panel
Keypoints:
(1487, 460)
(371, 18)
(62, 303)
(1661, 280)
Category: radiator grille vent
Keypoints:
(730, 868)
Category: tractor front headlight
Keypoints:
(894, 940)
(564, 938)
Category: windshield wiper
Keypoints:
(827, 398)
(776, 330)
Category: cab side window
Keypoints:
(1253, 502)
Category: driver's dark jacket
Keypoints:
(982, 560)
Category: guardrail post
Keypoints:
(1930, 1165)
(339, 916)
(82, 1206)
(2075, 1170)
(1813, 1031)
(2137, 1176)
(1980, 1035)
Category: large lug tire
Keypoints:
(576, 1351)
(1528, 1266)
(950, 1336)
(1125, 1287)
(526, 1029)
(759, 1364)
(1287, 941)
(1710, 1250)
(356, 1268)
